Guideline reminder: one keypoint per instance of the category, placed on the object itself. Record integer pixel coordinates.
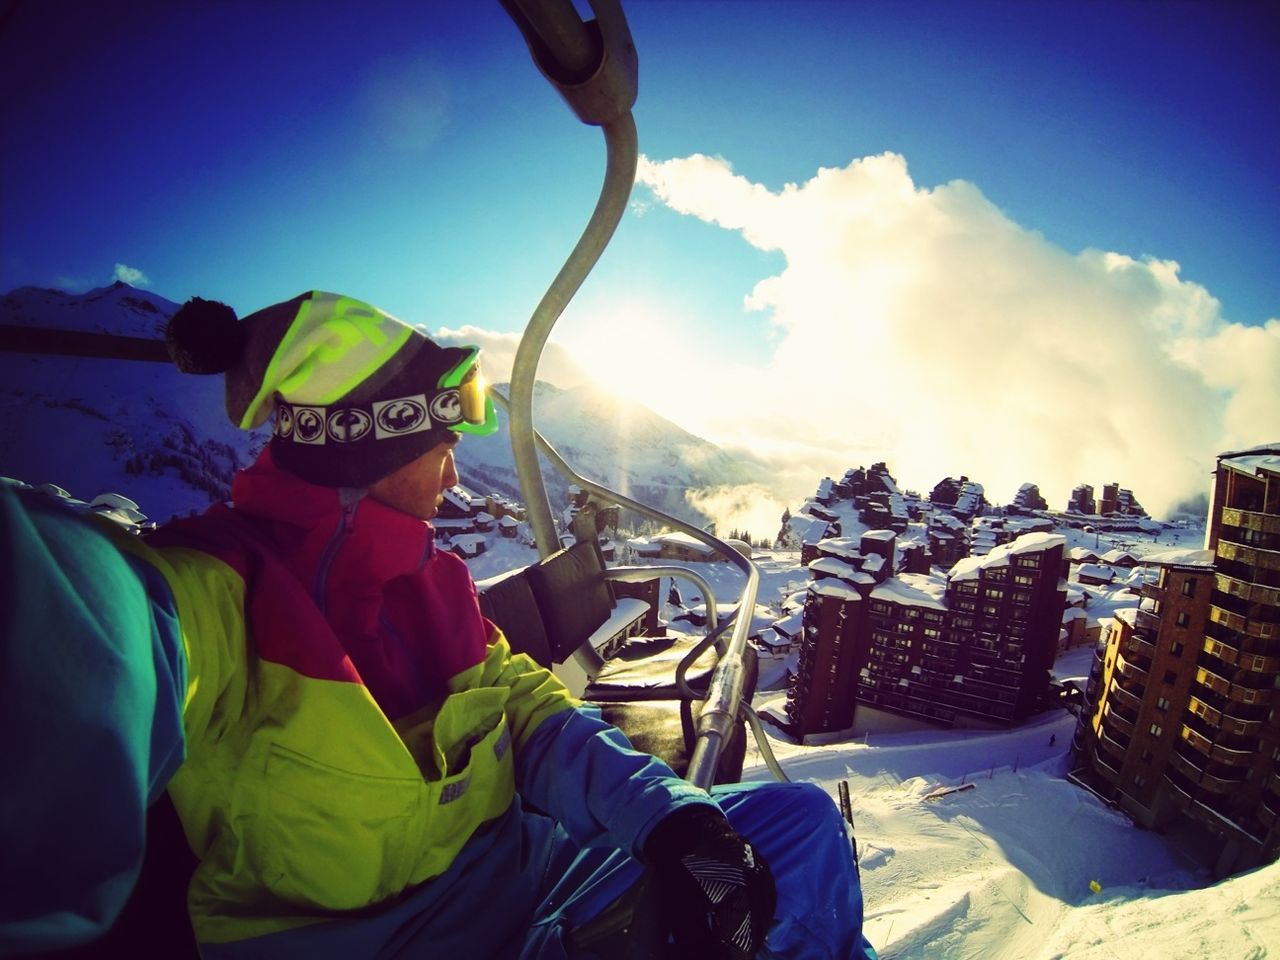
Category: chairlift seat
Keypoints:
(565, 602)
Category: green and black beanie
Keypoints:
(356, 393)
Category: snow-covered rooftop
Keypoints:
(847, 547)
(791, 625)
(1255, 460)
(913, 589)
(969, 567)
(884, 536)
(1096, 571)
(684, 540)
(1179, 558)
(834, 588)
(833, 566)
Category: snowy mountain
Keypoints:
(619, 444)
(97, 425)
(162, 437)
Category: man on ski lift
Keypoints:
(360, 764)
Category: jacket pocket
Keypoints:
(470, 778)
(333, 838)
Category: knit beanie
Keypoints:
(356, 393)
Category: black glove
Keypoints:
(718, 891)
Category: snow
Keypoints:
(913, 589)
(833, 588)
(834, 567)
(1003, 870)
(968, 568)
(1181, 558)
(1253, 461)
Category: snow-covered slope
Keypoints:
(1006, 870)
(92, 426)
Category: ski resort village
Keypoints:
(1057, 725)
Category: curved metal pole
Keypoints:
(620, 173)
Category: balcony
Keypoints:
(1260, 663)
(1212, 681)
(1223, 651)
(1123, 697)
(1152, 590)
(1242, 694)
(1253, 556)
(1198, 740)
(1239, 727)
(1187, 768)
(1112, 746)
(1205, 712)
(1221, 785)
(1148, 621)
(1247, 590)
(1140, 647)
(1117, 722)
(1109, 769)
(1131, 671)
(1233, 621)
(1251, 520)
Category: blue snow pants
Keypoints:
(479, 910)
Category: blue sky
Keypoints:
(411, 155)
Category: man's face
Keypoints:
(418, 487)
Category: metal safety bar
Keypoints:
(724, 692)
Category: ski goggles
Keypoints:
(461, 401)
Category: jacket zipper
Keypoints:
(345, 522)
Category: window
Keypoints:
(1138, 780)
(1023, 580)
(1156, 729)
(1162, 703)
(1146, 756)
(1175, 648)
(1170, 677)
(1189, 587)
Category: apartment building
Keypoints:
(972, 648)
(1181, 717)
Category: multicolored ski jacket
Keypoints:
(348, 717)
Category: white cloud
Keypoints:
(131, 275)
(924, 325)
(752, 508)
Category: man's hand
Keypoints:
(718, 891)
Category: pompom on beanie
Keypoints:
(356, 393)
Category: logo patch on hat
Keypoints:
(308, 425)
(447, 407)
(284, 421)
(403, 415)
(349, 424)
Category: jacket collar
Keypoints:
(378, 543)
